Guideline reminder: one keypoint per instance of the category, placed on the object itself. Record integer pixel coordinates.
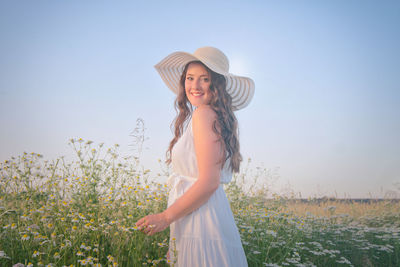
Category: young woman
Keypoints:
(203, 153)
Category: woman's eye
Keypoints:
(206, 79)
(189, 78)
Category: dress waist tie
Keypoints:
(177, 185)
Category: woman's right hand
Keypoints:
(153, 223)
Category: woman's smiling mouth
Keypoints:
(196, 93)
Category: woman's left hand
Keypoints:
(152, 223)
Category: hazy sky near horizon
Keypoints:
(326, 109)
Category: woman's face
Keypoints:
(197, 84)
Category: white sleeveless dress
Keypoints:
(208, 236)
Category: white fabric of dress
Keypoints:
(208, 236)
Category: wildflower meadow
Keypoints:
(83, 213)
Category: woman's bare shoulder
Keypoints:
(203, 122)
(204, 114)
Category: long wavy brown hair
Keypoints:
(226, 125)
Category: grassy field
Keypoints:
(83, 213)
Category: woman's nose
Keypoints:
(196, 84)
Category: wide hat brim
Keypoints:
(241, 89)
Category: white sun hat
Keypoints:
(241, 89)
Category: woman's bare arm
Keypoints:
(209, 154)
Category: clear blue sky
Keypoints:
(326, 111)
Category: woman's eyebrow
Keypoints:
(189, 74)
